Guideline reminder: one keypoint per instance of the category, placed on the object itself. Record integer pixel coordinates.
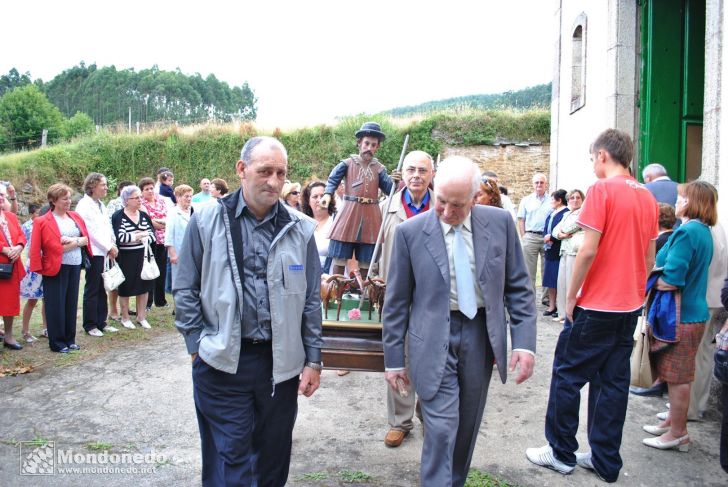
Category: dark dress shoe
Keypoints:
(73, 346)
(551, 312)
(64, 350)
(657, 390)
(13, 346)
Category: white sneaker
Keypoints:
(144, 324)
(128, 324)
(544, 457)
(584, 460)
(111, 329)
(95, 332)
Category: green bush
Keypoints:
(78, 125)
(212, 152)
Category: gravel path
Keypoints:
(139, 401)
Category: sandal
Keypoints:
(29, 338)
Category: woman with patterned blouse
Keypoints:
(156, 207)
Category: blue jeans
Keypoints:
(595, 349)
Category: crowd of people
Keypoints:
(250, 301)
(144, 221)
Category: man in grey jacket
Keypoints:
(249, 309)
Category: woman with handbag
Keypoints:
(133, 229)
(12, 242)
(156, 207)
(92, 210)
(55, 253)
(684, 260)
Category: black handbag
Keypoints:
(85, 259)
(6, 270)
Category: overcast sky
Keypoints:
(306, 61)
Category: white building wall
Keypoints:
(611, 85)
(717, 24)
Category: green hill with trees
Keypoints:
(107, 96)
(534, 97)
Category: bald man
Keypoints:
(204, 195)
(415, 198)
(453, 273)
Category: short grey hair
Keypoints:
(458, 167)
(247, 150)
(126, 193)
(654, 170)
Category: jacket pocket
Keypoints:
(294, 275)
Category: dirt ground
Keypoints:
(138, 400)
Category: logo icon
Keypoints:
(37, 457)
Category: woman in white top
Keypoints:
(177, 222)
(103, 243)
(571, 236)
(324, 219)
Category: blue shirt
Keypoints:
(534, 211)
(415, 209)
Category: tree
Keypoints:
(79, 124)
(13, 80)
(24, 113)
(106, 95)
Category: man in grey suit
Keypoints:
(453, 315)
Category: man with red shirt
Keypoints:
(605, 296)
(413, 199)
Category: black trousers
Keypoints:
(724, 430)
(95, 307)
(60, 294)
(156, 295)
(246, 423)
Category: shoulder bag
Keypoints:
(112, 275)
(150, 271)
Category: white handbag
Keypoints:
(150, 271)
(112, 275)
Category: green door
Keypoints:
(671, 94)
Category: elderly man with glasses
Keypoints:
(532, 213)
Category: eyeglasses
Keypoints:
(134, 198)
(294, 193)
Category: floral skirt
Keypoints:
(31, 287)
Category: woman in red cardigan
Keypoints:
(12, 242)
(55, 253)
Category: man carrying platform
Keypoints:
(413, 199)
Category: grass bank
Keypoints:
(211, 151)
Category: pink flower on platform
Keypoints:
(354, 314)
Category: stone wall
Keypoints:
(515, 165)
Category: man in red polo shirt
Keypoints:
(604, 299)
(413, 199)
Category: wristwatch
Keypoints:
(314, 365)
